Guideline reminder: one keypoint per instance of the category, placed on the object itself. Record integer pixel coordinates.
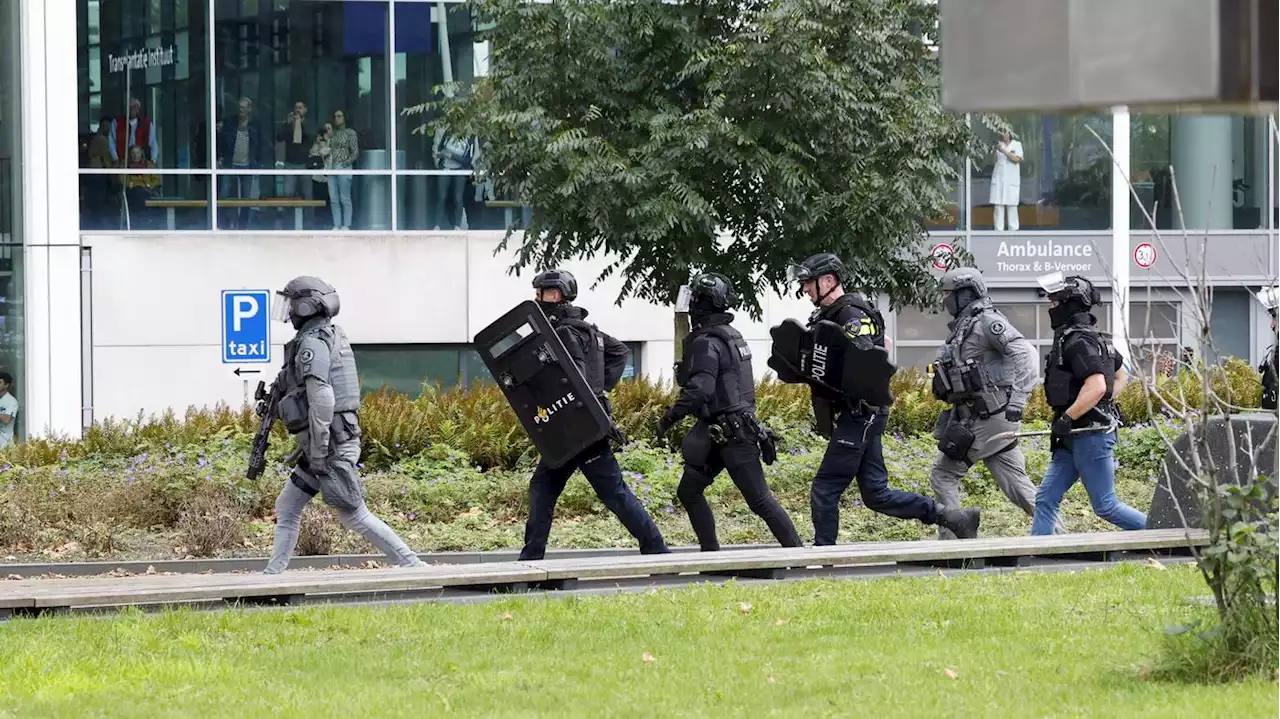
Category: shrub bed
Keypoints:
(450, 469)
(477, 421)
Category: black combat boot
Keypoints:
(962, 522)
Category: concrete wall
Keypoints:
(157, 319)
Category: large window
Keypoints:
(1218, 162)
(406, 368)
(12, 344)
(287, 115)
(293, 115)
(1061, 179)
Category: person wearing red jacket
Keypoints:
(136, 130)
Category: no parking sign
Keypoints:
(941, 254)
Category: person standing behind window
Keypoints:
(344, 148)
(136, 130)
(297, 143)
(8, 409)
(318, 159)
(1006, 182)
(240, 145)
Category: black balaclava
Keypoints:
(703, 313)
(553, 310)
(1066, 312)
(959, 299)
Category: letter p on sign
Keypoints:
(246, 307)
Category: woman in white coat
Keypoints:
(1006, 182)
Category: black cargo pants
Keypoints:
(703, 461)
(601, 469)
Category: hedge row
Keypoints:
(479, 422)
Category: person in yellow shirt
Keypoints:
(138, 188)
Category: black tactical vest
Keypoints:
(831, 313)
(735, 384)
(1270, 381)
(594, 351)
(1061, 386)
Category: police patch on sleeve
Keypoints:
(305, 356)
(997, 327)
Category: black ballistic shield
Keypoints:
(544, 387)
(826, 357)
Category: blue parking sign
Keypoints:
(246, 326)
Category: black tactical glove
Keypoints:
(1013, 414)
(664, 426)
(616, 435)
(1062, 427)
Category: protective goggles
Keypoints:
(799, 273)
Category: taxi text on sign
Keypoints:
(246, 326)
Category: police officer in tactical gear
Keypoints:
(320, 405)
(718, 387)
(1270, 367)
(854, 428)
(1083, 373)
(986, 371)
(601, 359)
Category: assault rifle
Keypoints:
(266, 410)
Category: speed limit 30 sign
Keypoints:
(1144, 255)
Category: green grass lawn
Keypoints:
(1017, 645)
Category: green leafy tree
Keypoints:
(674, 137)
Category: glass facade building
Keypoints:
(12, 305)
(280, 115)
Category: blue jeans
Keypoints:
(1090, 459)
(856, 450)
(340, 197)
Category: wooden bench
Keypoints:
(29, 596)
(1029, 217)
(509, 208)
(170, 204)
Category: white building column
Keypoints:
(1120, 195)
(51, 220)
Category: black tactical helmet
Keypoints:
(823, 263)
(561, 280)
(305, 297)
(713, 291)
(1066, 289)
